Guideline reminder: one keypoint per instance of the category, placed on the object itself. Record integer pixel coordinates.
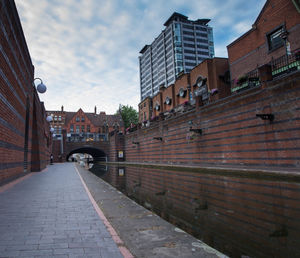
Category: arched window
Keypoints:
(201, 89)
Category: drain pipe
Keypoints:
(62, 144)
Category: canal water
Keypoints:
(239, 216)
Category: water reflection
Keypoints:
(238, 216)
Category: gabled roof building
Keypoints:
(82, 123)
(273, 40)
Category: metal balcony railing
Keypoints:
(279, 67)
(249, 80)
(87, 137)
(285, 64)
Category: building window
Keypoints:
(88, 128)
(82, 128)
(71, 128)
(77, 119)
(77, 128)
(82, 119)
(55, 118)
(59, 118)
(59, 129)
(274, 39)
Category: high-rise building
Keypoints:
(182, 45)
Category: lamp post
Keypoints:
(41, 87)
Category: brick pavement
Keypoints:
(50, 215)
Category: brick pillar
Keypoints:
(63, 153)
(199, 102)
(265, 74)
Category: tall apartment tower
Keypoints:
(181, 46)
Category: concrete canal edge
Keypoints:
(144, 233)
(263, 173)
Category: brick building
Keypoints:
(229, 132)
(145, 110)
(81, 126)
(258, 127)
(212, 74)
(25, 138)
(273, 39)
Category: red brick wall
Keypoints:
(168, 92)
(117, 144)
(232, 134)
(41, 145)
(251, 50)
(157, 99)
(86, 122)
(182, 82)
(16, 79)
(145, 108)
(56, 122)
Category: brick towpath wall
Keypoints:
(232, 134)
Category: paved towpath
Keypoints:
(49, 214)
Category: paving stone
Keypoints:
(21, 247)
(10, 253)
(35, 253)
(52, 246)
(75, 251)
(50, 215)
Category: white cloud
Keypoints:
(86, 51)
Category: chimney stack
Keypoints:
(95, 110)
(62, 108)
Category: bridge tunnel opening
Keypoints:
(97, 154)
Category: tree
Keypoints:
(128, 114)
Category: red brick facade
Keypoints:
(24, 137)
(214, 71)
(82, 128)
(232, 134)
(157, 101)
(83, 122)
(145, 110)
(252, 49)
(182, 84)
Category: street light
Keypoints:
(41, 88)
(49, 119)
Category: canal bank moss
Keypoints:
(254, 174)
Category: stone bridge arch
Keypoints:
(98, 150)
(97, 154)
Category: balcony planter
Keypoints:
(241, 80)
(154, 118)
(186, 103)
(213, 92)
(253, 81)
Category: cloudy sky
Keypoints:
(86, 51)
